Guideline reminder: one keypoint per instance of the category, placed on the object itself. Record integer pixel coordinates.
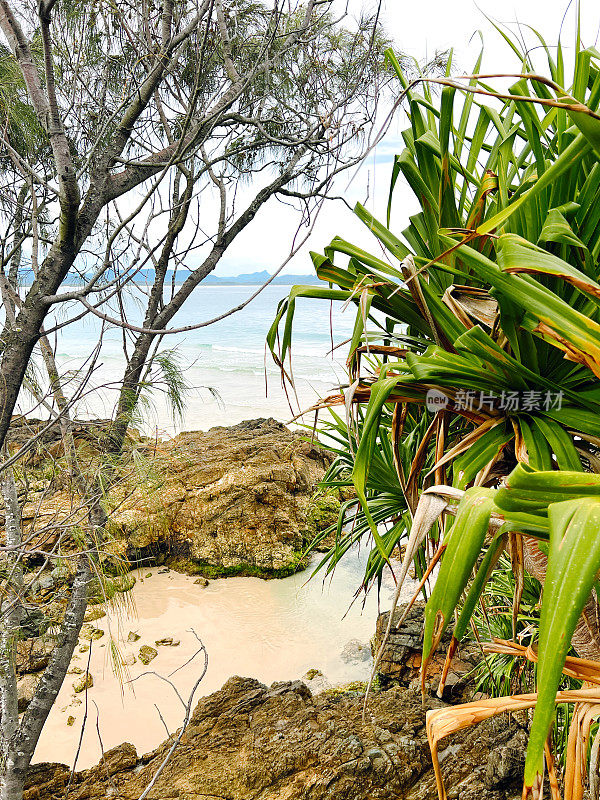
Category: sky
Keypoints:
(418, 29)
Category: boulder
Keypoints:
(230, 500)
(32, 655)
(26, 687)
(251, 742)
(401, 660)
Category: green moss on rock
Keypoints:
(190, 566)
(100, 591)
(322, 513)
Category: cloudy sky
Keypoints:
(419, 29)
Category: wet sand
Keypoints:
(271, 630)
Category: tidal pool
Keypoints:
(271, 630)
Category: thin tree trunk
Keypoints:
(10, 611)
(23, 743)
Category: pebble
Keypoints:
(147, 654)
(85, 682)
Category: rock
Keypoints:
(70, 720)
(90, 633)
(33, 654)
(231, 498)
(129, 660)
(148, 574)
(124, 583)
(99, 591)
(313, 673)
(201, 582)
(315, 679)
(251, 742)
(147, 654)
(22, 428)
(93, 613)
(45, 781)
(26, 687)
(505, 763)
(75, 671)
(401, 660)
(322, 513)
(61, 573)
(167, 641)
(354, 651)
(164, 571)
(34, 623)
(44, 583)
(85, 682)
(132, 636)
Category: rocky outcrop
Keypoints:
(250, 742)
(401, 659)
(48, 438)
(229, 501)
(232, 499)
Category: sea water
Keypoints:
(229, 373)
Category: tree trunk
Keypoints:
(23, 743)
(10, 610)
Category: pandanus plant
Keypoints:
(472, 408)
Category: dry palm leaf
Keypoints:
(470, 303)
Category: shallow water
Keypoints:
(271, 630)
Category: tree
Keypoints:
(473, 393)
(121, 125)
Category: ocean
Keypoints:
(229, 373)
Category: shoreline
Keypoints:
(271, 630)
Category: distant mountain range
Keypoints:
(256, 278)
(247, 279)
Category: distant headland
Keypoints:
(147, 276)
